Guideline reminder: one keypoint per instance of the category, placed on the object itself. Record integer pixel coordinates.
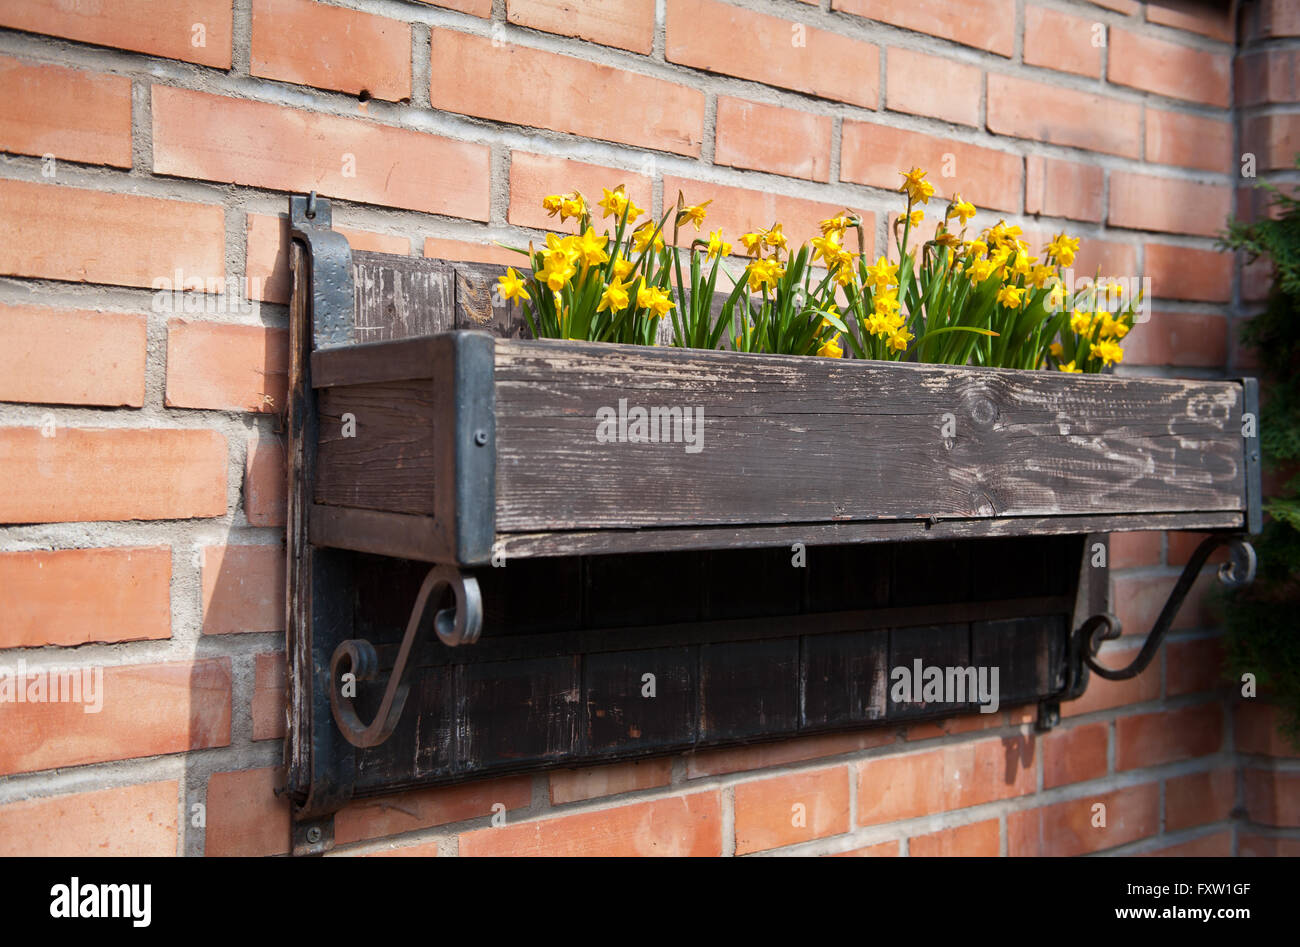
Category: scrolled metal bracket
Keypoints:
(1237, 571)
(454, 626)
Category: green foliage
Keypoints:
(1262, 637)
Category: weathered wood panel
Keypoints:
(813, 440)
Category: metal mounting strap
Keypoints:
(454, 626)
(1238, 570)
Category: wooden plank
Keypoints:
(399, 297)
(843, 678)
(1028, 653)
(748, 688)
(638, 700)
(790, 439)
(942, 646)
(513, 712)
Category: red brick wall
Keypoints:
(138, 450)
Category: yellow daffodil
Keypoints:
(882, 273)
(592, 247)
(1081, 323)
(980, 270)
(752, 242)
(899, 340)
(915, 217)
(572, 206)
(654, 299)
(1063, 248)
(1109, 352)
(717, 246)
(1056, 349)
(693, 214)
(826, 247)
(556, 274)
(837, 225)
(511, 286)
(614, 202)
(621, 267)
(774, 238)
(978, 248)
(764, 273)
(1069, 367)
(1011, 296)
(615, 296)
(918, 191)
(551, 204)
(642, 235)
(831, 348)
(962, 210)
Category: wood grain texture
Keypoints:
(810, 440)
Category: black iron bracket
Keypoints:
(1237, 571)
(355, 659)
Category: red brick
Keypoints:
(1272, 796)
(1268, 76)
(1107, 695)
(72, 356)
(245, 817)
(1075, 755)
(627, 24)
(267, 264)
(68, 113)
(773, 139)
(533, 177)
(113, 474)
(933, 86)
(679, 825)
(1256, 730)
(737, 42)
(882, 850)
(243, 589)
(954, 777)
(1189, 141)
(421, 808)
(766, 809)
(1273, 139)
(147, 710)
(1167, 736)
(74, 596)
(265, 481)
(1178, 338)
(1274, 18)
(1199, 798)
(875, 155)
(720, 762)
(1128, 550)
(329, 47)
(1143, 202)
(1063, 42)
(1267, 846)
(1066, 828)
(977, 840)
(269, 696)
(1194, 666)
(142, 26)
(1212, 20)
(481, 8)
(984, 24)
(130, 821)
(966, 723)
(1214, 845)
(575, 785)
(466, 251)
(82, 236)
(418, 850)
(1126, 7)
(1113, 259)
(1064, 189)
(1025, 109)
(1139, 599)
(217, 138)
(1181, 72)
(1185, 273)
(565, 94)
(228, 367)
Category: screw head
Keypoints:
(313, 835)
(480, 437)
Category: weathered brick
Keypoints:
(732, 41)
(1199, 798)
(218, 138)
(1168, 735)
(1063, 42)
(875, 155)
(1187, 273)
(265, 481)
(590, 782)
(1272, 796)
(678, 825)
(1128, 550)
(467, 251)
(1194, 666)
(786, 810)
(145, 710)
(1267, 76)
(72, 356)
(627, 24)
(196, 31)
(331, 48)
(68, 113)
(1155, 65)
(1026, 109)
(882, 850)
(1256, 729)
(1178, 338)
(269, 696)
(984, 24)
(1273, 140)
(773, 139)
(565, 94)
(1107, 695)
(720, 762)
(976, 840)
(1064, 189)
(1074, 827)
(533, 177)
(245, 817)
(228, 367)
(1208, 19)
(111, 474)
(1214, 845)
(83, 236)
(1189, 141)
(1144, 202)
(1139, 599)
(73, 596)
(126, 821)
(421, 808)
(1075, 754)
(933, 86)
(243, 589)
